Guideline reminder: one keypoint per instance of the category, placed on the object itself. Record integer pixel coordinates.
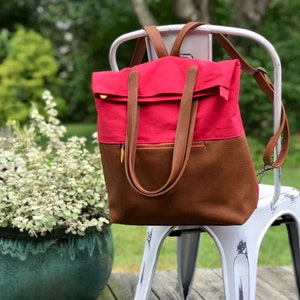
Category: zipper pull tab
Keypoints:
(122, 152)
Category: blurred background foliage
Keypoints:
(57, 44)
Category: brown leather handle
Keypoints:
(183, 137)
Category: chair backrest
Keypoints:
(198, 44)
(188, 48)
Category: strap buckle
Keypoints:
(261, 70)
(260, 175)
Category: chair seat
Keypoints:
(287, 196)
(267, 190)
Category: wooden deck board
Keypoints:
(278, 279)
(276, 283)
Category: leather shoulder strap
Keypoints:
(263, 82)
(220, 38)
(156, 40)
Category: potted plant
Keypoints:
(55, 239)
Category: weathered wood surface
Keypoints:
(276, 283)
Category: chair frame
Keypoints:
(238, 245)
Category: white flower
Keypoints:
(47, 180)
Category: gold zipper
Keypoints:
(165, 146)
(161, 146)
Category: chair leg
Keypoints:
(294, 241)
(154, 238)
(239, 253)
(187, 253)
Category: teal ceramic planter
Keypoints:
(58, 267)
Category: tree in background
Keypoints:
(27, 68)
(281, 24)
(243, 13)
(82, 32)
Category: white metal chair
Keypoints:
(238, 245)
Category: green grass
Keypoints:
(129, 240)
(129, 245)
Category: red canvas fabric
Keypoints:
(217, 89)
